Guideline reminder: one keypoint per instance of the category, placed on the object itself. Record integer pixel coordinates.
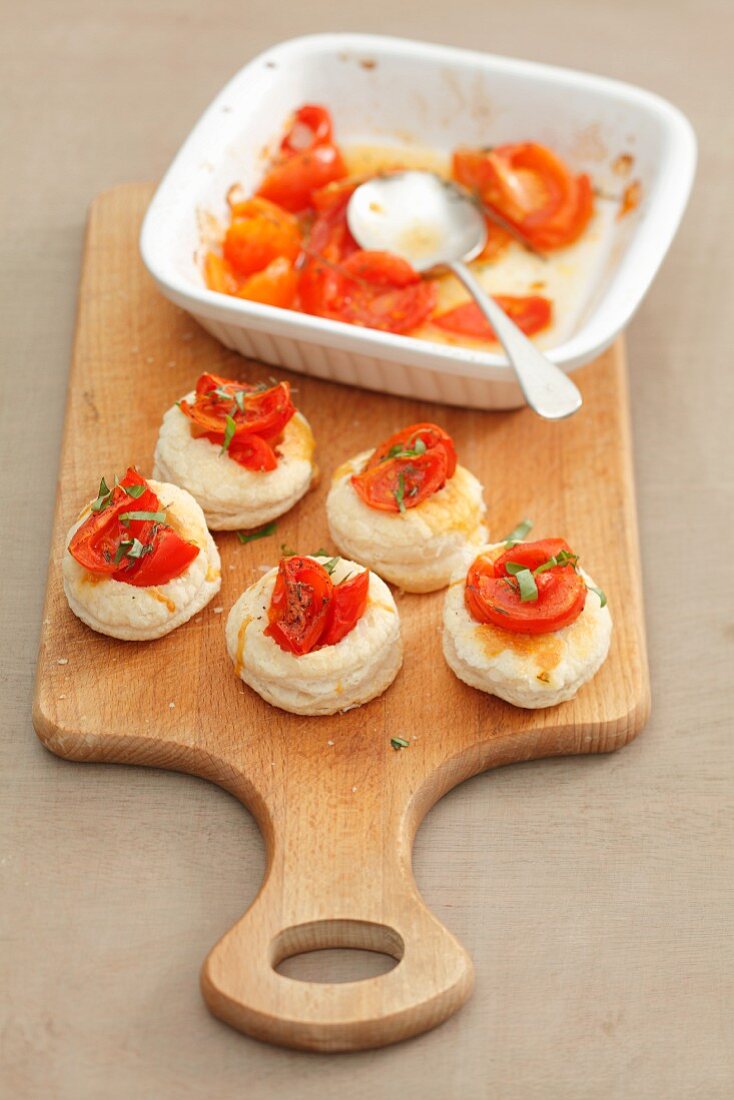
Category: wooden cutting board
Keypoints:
(337, 805)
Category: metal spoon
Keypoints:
(431, 222)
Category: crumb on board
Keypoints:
(171, 706)
(217, 610)
(62, 661)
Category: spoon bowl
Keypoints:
(427, 220)
(433, 223)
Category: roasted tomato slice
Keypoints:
(266, 412)
(532, 188)
(260, 232)
(311, 126)
(531, 314)
(95, 543)
(348, 601)
(163, 554)
(493, 596)
(292, 179)
(373, 289)
(430, 435)
(402, 483)
(299, 606)
(169, 557)
(534, 554)
(275, 286)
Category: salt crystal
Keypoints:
(217, 610)
(63, 661)
(171, 706)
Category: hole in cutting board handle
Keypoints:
(373, 949)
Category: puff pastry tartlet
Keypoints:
(316, 635)
(526, 623)
(243, 452)
(407, 510)
(140, 561)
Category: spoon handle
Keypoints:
(548, 391)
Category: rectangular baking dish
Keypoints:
(393, 91)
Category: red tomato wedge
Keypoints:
(311, 126)
(162, 553)
(492, 594)
(292, 179)
(407, 469)
(531, 314)
(266, 412)
(308, 611)
(348, 602)
(532, 188)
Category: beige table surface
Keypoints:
(595, 895)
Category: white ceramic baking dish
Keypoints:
(389, 91)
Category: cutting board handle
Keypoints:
(433, 977)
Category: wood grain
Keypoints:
(337, 805)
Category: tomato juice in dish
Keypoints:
(288, 244)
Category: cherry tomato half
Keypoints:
(348, 601)
(531, 314)
(292, 179)
(266, 412)
(311, 126)
(96, 543)
(429, 434)
(493, 596)
(299, 605)
(260, 232)
(402, 483)
(532, 188)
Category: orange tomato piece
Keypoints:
(255, 239)
(275, 286)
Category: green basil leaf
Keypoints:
(528, 587)
(103, 497)
(514, 567)
(135, 491)
(147, 517)
(600, 593)
(399, 743)
(331, 565)
(230, 428)
(517, 534)
(261, 533)
(399, 493)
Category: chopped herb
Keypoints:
(562, 558)
(399, 743)
(148, 517)
(286, 550)
(103, 497)
(600, 593)
(320, 553)
(518, 533)
(133, 549)
(135, 491)
(528, 587)
(229, 431)
(399, 493)
(400, 450)
(331, 565)
(261, 533)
